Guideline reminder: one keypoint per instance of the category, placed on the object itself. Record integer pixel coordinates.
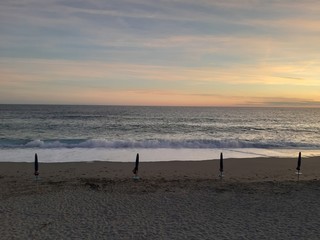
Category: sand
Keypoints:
(257, 199)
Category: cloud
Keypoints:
(104, 26)
(197, 49)
(31, 70)
(282, 102)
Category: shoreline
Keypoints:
(146, 155)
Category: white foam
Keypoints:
(153, 144)
(147, 155)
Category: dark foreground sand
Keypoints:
(257, 199)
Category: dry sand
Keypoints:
(257, 199)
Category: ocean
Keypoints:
(64, 133)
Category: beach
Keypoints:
(159, 120)
(257, 198)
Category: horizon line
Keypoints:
(127, 105)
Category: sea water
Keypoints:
(64, 133)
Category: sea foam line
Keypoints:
(146, 155)
(152, 144)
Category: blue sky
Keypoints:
(140, 52)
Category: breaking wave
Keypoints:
(150, 144)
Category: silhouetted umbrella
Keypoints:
(299, 162)
(36, 166)
(299, 165)
(135, 170)
(221, 165)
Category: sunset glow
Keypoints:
(141, 52)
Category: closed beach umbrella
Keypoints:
(299, 162)
(221, 162)
(36, 165)
(299, 165)
(135, 170)
(221, 166)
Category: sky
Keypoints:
(160, 52)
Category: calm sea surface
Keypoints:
(100, 130)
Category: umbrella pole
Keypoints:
(221, 175)
(136, 177)
(37, 184)
(37, 180)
